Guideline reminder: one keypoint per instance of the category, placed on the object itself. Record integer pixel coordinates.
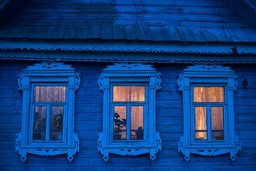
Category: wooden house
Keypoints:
(128, 85)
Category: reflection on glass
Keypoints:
(217, 123)
(39, 125)
(200, 123)
(49, 94)
(137, 132)
(56, 126)
(119, 123)
(129, 93)
(208, 94)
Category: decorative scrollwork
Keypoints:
(158, 81)
(100, 82)
(47, 72)
(20, 82)
(42, 151)
(77, 80)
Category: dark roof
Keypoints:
(150, 31)
(147, 20)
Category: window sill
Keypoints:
(47, 149)
(126, 148)
(209, 149)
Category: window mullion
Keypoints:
(209, 119)
(128, 124)
(48, 120)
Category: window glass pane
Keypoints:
(129, 93)
(137, 126)
(39, 125)
(56, 127)
(208, 94)
(119, 123)
(49, 93)
(200, 123)
(217, 123)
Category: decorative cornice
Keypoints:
(129, 67)
(49, 66)
(48, 71)
(128, 52)
(207, 71)
(143, 47)
(125, 70)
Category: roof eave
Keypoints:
(128, 52)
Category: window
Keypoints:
(129, 128)
(48, 101)
(208, 108)
(208, 105)
(48, 110)
(129, 104)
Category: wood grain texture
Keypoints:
(161, 20)
(88, 123)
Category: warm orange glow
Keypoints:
(120, 122)
(136, 121)
(129, 93)
(204, 95)
(128, 99)
(208, 94)
(200, 123)
(217, 123)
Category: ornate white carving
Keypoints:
(43, 151)
(214, 74)
(46, 72)
(209, 151)
(129, 73)
(129, 67)
(129, 151)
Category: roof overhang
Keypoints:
(145, 52)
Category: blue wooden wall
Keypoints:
(88, 123)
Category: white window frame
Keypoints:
(212, 75)
(48, 73)
(129, 74)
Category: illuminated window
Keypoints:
(128, 115)
(208, 104)
(48, 111)
(129, 110)
(208, 108)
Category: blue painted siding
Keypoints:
(88, 123)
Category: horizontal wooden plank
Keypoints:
(89, 122)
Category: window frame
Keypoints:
(130, 104)
(129, 74)
(48, 74)
(208, 75)
(48, 106)
(208, 105)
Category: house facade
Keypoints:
(127, 85)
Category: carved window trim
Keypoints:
(48, 73)
(207, 74)
(129, 74)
